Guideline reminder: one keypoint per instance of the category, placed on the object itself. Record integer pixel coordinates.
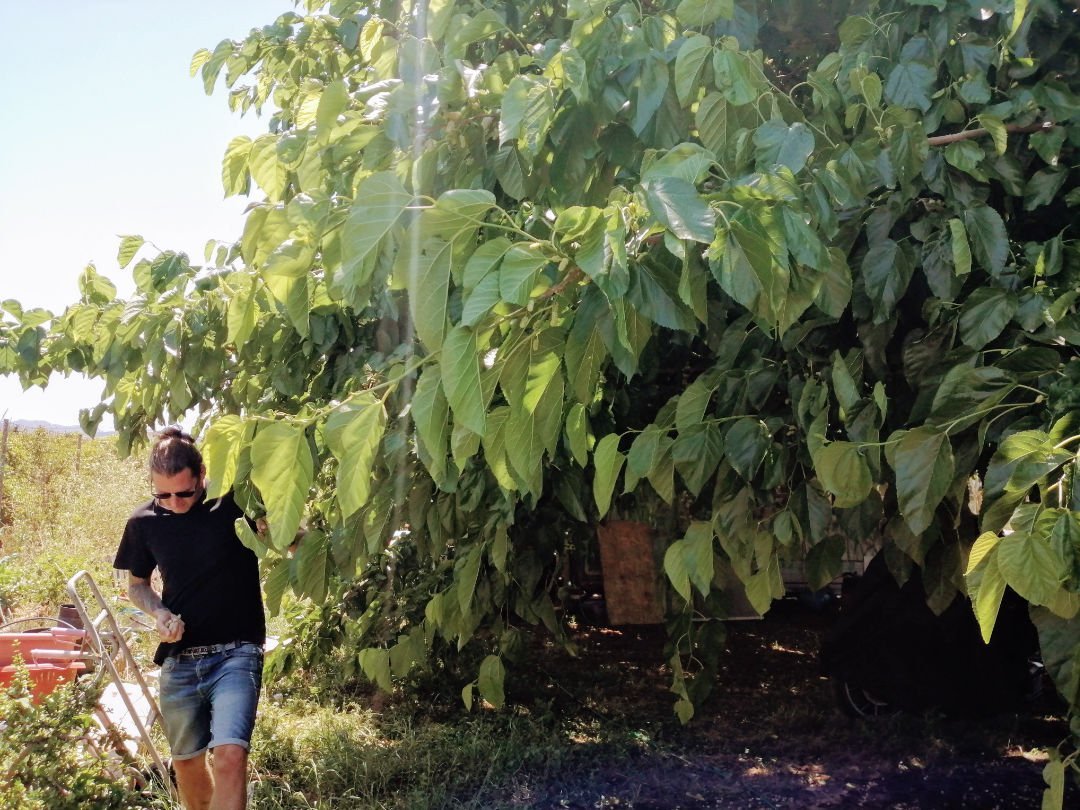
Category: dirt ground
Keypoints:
(772, 736)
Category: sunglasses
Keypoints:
(164, 496)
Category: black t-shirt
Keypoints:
(210, 578)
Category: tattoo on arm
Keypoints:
(143, 596)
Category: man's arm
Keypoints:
(170, 627)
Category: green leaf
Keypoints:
(1059, 643)
(379, 203)
(490, 682)
(996, 127)
(221, 451)
(693, 401)
(577, 433)
(923, 462)
(353, 434)
(375, 664)
(696, 453)
(987, 587)
(689, 560)
(519, 272)
(282, 469)
(677, 205)
(746, 444)
(1030, 566)
(964, 155)
(989, 239)
(843, 471)
(235, 176)
(129, 246)
(312, 556)
(286, 276)
(961, 252)
(461, 379)
(699, 13)
(910, 85)
(652, 87)
(1042, 187)
(427, 274)
(968, 394)
(608, 462)
(887, 270)
(778, 144)
(430, 412)
(1028, 456)
(689, 65)
(333, 101)
(984, 544)
(986, 313)
(1053, 772)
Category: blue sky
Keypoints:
(105, 133)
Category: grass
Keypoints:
(592, 731)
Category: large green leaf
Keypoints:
(986, 587)
(519, 272)
(608, 462)
(780, 144)
(490, 681)
(697, 453)
(353, 434)
(430, 412)
(922, 460)
(1022, 460)
(987, 311)
(221, 449)
(699, 13)
(380, 201)
(910, 85)
(843, 471)
(677, 205)
(745, 446)
(312, 570)
(989, 239)
(887, 271)
(282, 469)
(427, 273)
(689, 64)
(1030, 566)
(689, 560)
(461, 379)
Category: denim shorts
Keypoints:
(210, 700)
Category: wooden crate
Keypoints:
(631, 592)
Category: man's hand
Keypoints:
(170, 626)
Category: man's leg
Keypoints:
(230, 777)
(234, 698)
(195, 782)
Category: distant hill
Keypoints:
(37, 424)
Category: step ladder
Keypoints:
(128, 707)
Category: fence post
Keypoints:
(3, 463)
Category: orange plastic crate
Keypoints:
(44, 678)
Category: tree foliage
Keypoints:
(799, 272)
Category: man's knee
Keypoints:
(230, 758)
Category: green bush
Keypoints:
(44, 764)
(65, 504)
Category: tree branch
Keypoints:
(968, 134)
(570, 278)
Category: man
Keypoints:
(209, 618)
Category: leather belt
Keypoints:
(210, 649)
